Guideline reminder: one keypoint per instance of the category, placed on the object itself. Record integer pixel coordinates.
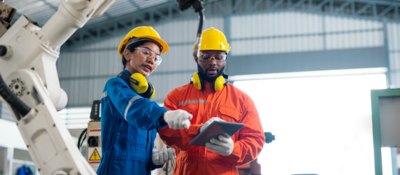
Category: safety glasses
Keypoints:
(208, 57)
(150, 54)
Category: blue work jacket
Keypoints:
(129, 124)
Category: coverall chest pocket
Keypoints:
(230, 114)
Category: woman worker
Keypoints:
(129, 120)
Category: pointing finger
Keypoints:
(186, 124)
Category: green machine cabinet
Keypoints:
(385, 105)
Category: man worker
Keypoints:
(209, 98)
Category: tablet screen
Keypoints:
(216, 129)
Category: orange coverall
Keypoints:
(230, 104)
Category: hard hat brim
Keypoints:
(163, 44)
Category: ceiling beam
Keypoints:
(135, 4)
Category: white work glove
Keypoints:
(162, 156)
(208, 123)
(178, 119)
(222, 145)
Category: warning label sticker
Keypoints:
(94, 132)
(95, 154)
(94, 164)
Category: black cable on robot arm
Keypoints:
(80, 137)
(83, 140)
(13, 100)
(201, 21)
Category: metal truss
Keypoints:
(366, 9)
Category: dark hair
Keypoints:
(133, 46)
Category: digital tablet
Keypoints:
(216, 129)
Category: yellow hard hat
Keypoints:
(213, 39)
(143, 32)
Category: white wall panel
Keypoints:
(277, 45)
(295, 31)
(395, 68)
(185, 31)
(90, 63)
(83, 91)
(179, 58)
(274, 24)
(339, 24)
(393, 36)
(177, 31)
(393, 30)
(354, 40)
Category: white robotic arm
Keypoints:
(38, 48)
(31, 87)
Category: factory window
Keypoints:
(322, 124)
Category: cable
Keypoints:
(201, 21)
(80, 137)
(199, 33)
(13, 100)
(83, 140)
(198, 8)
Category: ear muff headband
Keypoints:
(139, 84)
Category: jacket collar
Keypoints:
(126, 72)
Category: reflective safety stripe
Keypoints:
(104, 94)
(129, 104)
(191, 101)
